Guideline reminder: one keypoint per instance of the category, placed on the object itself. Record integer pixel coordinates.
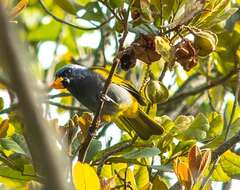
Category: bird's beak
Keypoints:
(57, 84)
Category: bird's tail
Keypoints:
(142, 124)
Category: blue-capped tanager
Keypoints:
(122, 102)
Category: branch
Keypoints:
(225, 146)
(46, 156)
(66, 107)
(112, 152)
(110, 9)
(63, 94)
(93, 128)
(183, 95)
(71, 24)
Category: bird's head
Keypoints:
(64, 75)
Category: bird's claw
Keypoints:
(104, 97)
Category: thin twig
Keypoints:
(163, 71)
(110, 9)
(112, 152)
(66, 107)
(183, 95)
(71, 24)
(63, 94)
(93, 128)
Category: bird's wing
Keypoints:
(121, 82)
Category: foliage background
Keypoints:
(202, 107)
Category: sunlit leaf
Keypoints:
(67, 5)
(142, 152)
(12, 174)
(198, 129)
(84, 177)
(228, 167)
(45, 32)
(22, 4)
(9, 144)
(216, 124)
(13, 183)
(158, 183)
(142, 177)
(182, 171)
(1, 103)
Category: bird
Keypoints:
(122, 104)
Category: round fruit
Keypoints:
(156, 92)
(205, 42)
(119, 27)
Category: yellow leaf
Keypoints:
(22, 4)
(4, 128)
(84, 177)
(183, 173)
(158, 183)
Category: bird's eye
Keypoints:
(68, 72)
(66, 82)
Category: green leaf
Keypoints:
(228, 167)
(146, 11)
(8, 172)
(93, 12)
(9, 144)
(228, 111)
(1, 103)
(234, 129)
(68, 38)
(182, 123)
(158, 183)
(182, 147)
(45, 32)
(67, 5)
(197, 130)
(85, 2)
(20, 140)
(216, 124)
(143, 152)
(111, 148)
(166, 122)
(217, 96)
(141, 177)
(94, 148)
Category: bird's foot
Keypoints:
(105, 98)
